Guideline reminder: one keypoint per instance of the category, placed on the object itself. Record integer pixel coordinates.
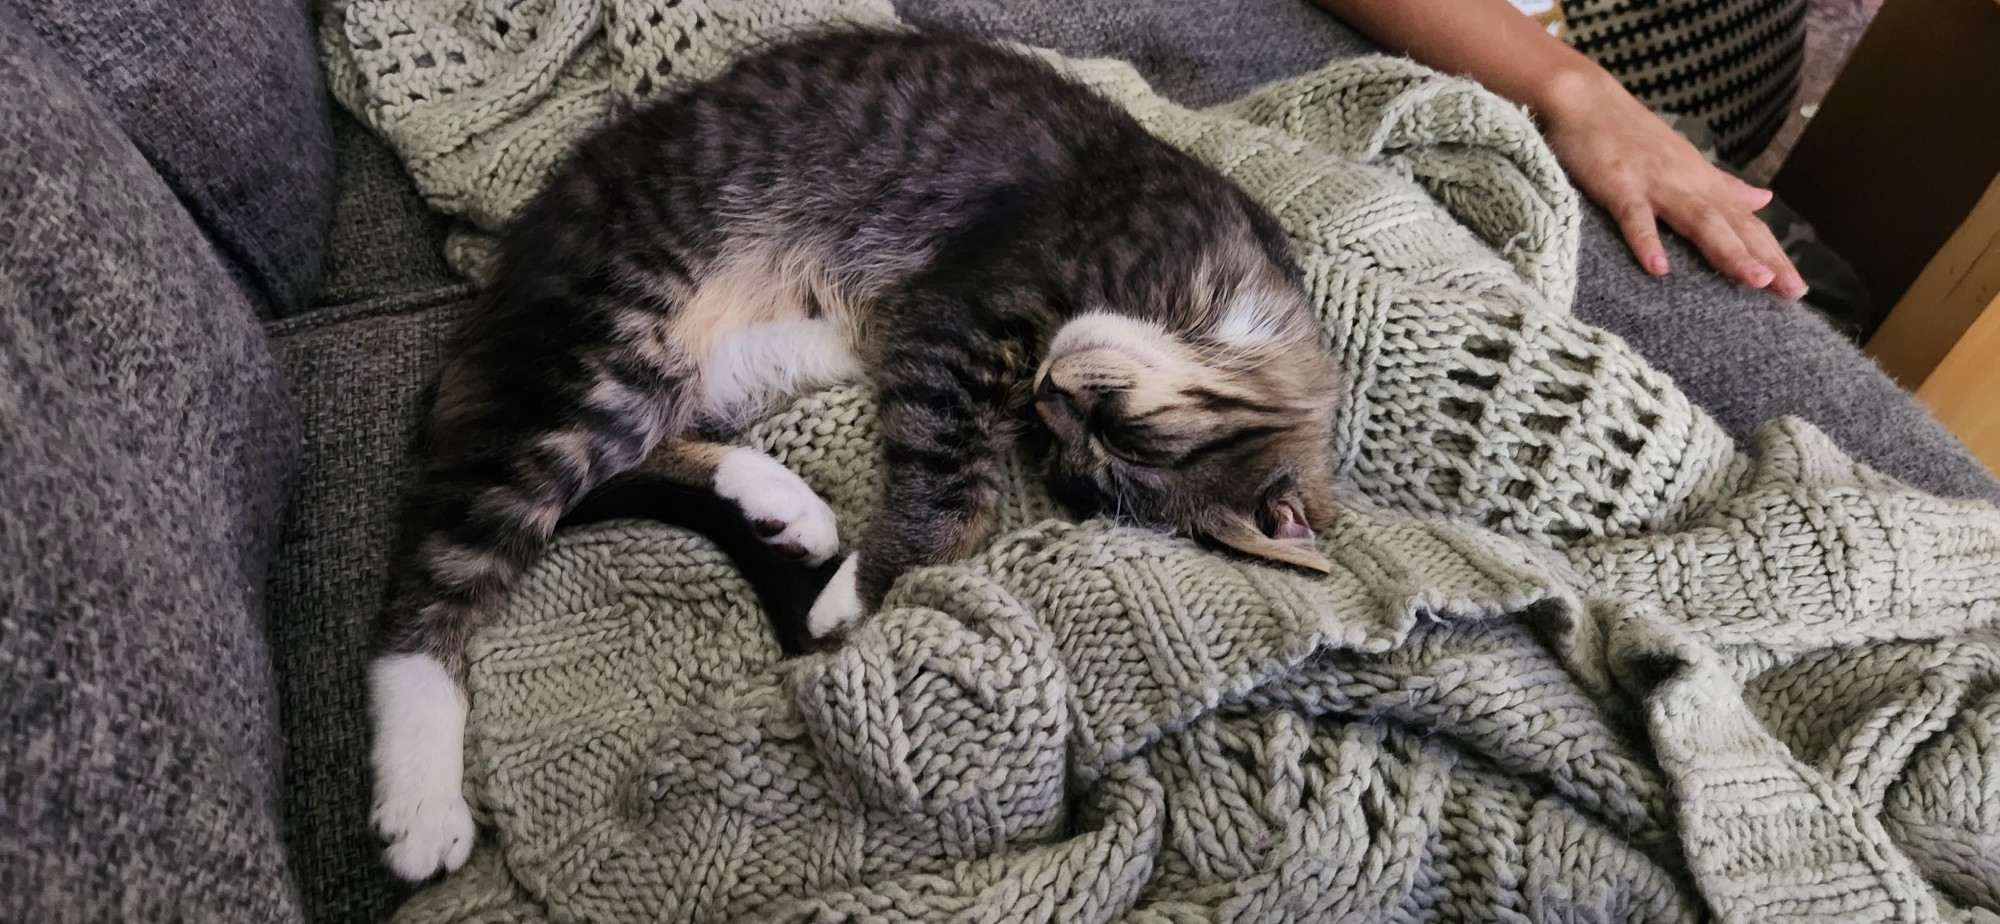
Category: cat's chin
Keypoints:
(1076, 493)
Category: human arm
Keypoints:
(1615, 149)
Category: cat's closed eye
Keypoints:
(1130, 445)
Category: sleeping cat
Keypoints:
(988, 244)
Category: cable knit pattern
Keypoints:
(1578, 658)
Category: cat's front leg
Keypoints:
(910, 530)
(784, 511)
(907, 532)
(945, 431)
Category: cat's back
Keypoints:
(867, 105)
(877, 84)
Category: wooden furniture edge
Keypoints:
(1941, 306)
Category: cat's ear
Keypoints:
(1316, 491)
(1281, 534)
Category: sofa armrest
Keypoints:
(226, 100)
(144, 439)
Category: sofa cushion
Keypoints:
(384, 241)
(362, 371)
(226, 99)
(144, 436)
(359, 361)
(1192, 52)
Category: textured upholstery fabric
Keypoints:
(360, 364)
(367, 366)
(227, 103)
(1183, 48)
(144, 437)
(384, 240)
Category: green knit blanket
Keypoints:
(1579, 658)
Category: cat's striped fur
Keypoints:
(993, 247)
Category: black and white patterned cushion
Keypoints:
(1732, 63)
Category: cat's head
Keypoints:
(1224, 433)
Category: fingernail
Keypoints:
(1656, 264)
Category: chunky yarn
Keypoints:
(1579, 657)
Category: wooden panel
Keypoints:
(1959, 283)
(1965, 389)
(1906, 140)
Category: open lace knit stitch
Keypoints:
(1579, 657)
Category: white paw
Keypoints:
(839, 603)
(419, 757)
(783, 509)
(428, 831)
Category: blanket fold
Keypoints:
(1579, 657)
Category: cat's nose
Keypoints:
(1052, 396)
(1047, 392)
(1056, 406)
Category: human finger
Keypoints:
(1719, 241)
(1757, 236)
(1641, 229)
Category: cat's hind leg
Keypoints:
(509, 453)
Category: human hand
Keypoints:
(1643, 172)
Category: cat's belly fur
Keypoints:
(751, 370)
(764, 328)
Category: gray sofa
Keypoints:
(220, 303)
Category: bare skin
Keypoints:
(1614, 148)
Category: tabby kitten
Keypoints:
(991, 246)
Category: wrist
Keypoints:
(1579, 88)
